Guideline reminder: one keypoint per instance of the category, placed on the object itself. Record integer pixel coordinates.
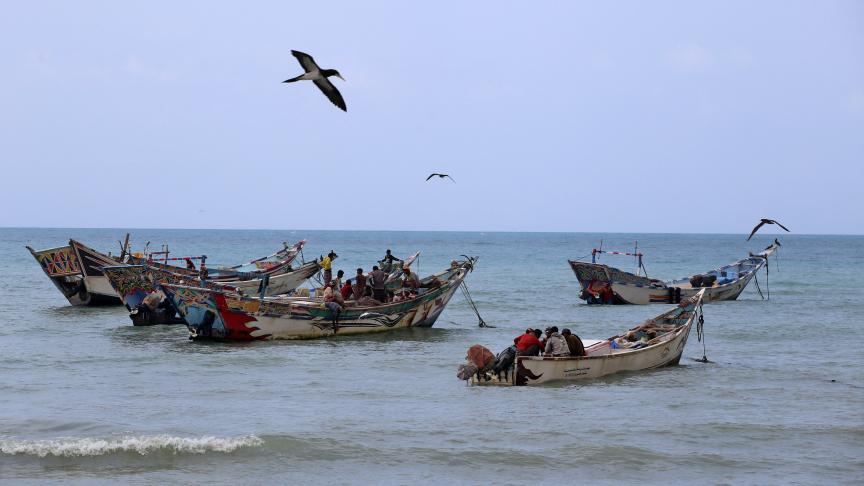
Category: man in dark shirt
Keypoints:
(378, 280)
(388, 260)
(574, 343)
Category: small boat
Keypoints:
(608, 356)
(137, 284)
(602, 284)
(222, 314)
(76, 271)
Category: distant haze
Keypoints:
(550, 116)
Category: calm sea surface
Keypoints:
(85, 397)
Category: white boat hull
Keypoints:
(602, 360)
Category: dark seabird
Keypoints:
(762, 223)
(319, 77)
(440, 175)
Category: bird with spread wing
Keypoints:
(440, 176)
(319, 77)
(762, 223)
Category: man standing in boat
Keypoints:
(359, 284)
(387, 261)
(327, 266)
(378, 278)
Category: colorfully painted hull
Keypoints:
(135, 282)
(213, 314)
(71, 270)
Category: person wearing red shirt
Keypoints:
(346, 289)
(527, 344)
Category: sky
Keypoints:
(691, 117)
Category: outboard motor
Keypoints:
(504, 360)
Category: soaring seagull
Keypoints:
(762, 223)
(440, 175)
(319, 77)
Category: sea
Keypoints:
(86, 398)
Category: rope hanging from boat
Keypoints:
(700, 335)
(467, 294)
(756, 279)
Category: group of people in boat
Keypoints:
(368, 289)
(531, 343)
(554, 343)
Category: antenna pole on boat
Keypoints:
(124, 248)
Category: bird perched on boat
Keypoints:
(762, 223)
(319, 77)
(440, 176)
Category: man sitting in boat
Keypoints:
(410, 280)
(346, 290)
(556, 345)
(573, 343)
(527, 344)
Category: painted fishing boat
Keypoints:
(602, 284)
(213, 314)
(75, 270)
(138, 285)
(656, 343)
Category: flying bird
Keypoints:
(440, 175)
(319, 77)
(762, 223)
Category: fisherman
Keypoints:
(337, 282)
(573, 343)
(359, 284)
(388, 260)
(189, 264)
(333, 295)
(410, 280)
(378, 279)
(607, 295)
(327, 266)
(346, 290)
(527, 344)
(555, 343)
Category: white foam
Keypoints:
(72, 447)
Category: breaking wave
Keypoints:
(143, 445)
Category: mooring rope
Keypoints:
(467, 295)
(756, 279)
(700, 334)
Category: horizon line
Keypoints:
(410, 231)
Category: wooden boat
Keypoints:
(613, 355)
(602, 284)
(76, 272)
(213, 314)
(137, 283)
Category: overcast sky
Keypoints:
(551, 116)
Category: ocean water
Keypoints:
(87, 398)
